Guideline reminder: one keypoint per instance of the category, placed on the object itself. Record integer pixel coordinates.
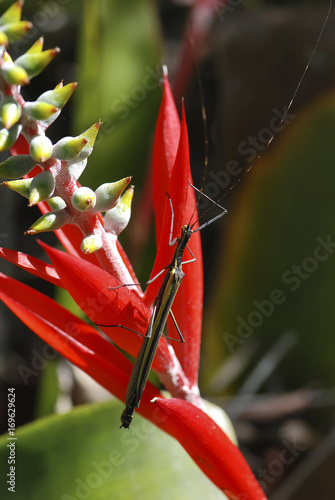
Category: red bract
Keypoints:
(188, 303)
(210, 448)
(93, 288)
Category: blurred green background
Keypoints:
(269, 286)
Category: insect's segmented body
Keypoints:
(161, 309)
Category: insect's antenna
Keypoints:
(205, 132)
(204, 126)
(279, 126)
(223, 210)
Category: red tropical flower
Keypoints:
(90, 280)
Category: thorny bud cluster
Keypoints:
(56, 167)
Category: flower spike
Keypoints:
(34, 63)
(50, 221)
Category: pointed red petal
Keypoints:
(32, 265)
(187, 307)
(188, 304)
(89, 286)
(165, 149)
(81, 344)
(178, 189)
(210, 448)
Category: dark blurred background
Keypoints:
(268, 339)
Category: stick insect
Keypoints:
(161, 309)
(174, 276)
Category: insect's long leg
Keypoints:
(171, 242)
(120, 326)
(194, 257)
(177, 328)
(139, 284)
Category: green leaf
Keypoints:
(120, 72)
(276, 240)
(84, 454)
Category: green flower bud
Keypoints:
(59, 96)
(40, 148)
(16, 31)
(16, 166)
(6, 57)
(83, 199)
(34, 63)
(3, 40)
(12, 14)
(117, 219)
(21, 186)
(14, 75)
(37, 47)
(10, 112)
(8, 137)
(68, 148)
(89, 136)
(56, 203)
(109, 193)
(41, 188)
(91, 243)
(39, 110)
(50, 222)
